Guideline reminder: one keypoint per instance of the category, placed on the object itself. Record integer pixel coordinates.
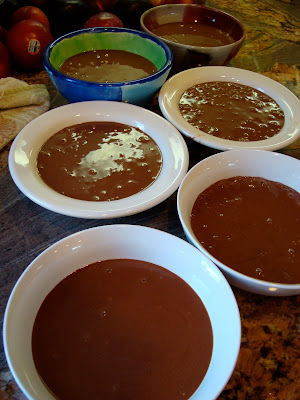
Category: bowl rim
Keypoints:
(173, 88)
(187, 46)
(84, 242)
(23, 152)
(145, 35)
(269, 288)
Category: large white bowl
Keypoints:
(258, 163)
(174, 87)
(25, 148)
(121, 241)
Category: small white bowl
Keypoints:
(25, 148)
(174, 87)
(121, 241)
(257, 163)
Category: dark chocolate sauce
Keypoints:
(251, 225)
(99, 161)
(122, 329)
(231, 111)
(193, 34)
(107, 66)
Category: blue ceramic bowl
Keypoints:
(138, 92)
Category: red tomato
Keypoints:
(5, 61)
(29, 12)
(103, 19)
(27, 41)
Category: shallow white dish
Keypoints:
(25, 148)
(121, 241)
(258, 163)
(173, 89)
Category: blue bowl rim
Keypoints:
(55, 72)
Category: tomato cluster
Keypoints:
(25, 40)
(28, 33)
(26, 30)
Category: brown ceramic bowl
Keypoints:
(190, 56)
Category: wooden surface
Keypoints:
(268, 366)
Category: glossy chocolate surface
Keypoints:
(251, 225)
(107, 66)
(99, 161)
(122, 329)
(193, 34)
(231, 111)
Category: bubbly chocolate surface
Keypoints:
(122, 329)
(231, 111)
(99, 161)
(107, 66)
(193, 34)
(251, 225)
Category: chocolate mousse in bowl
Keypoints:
(197, 35)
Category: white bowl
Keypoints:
(258, 163)
(25, 148)
(174, 87)
(121, 241)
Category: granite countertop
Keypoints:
(268, 366)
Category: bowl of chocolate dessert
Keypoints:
(117, 64)
(122, 311)
(241, 208)
(98, 159)
(231, 108)
(197, 35)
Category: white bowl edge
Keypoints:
(174, 87)
(24, 150)
(121, 241)
(269, 165)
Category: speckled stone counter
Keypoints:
(268, 366)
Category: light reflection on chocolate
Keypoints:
(99, 161)
(231, 111)
(107, 66)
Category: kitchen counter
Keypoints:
(268, 366)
